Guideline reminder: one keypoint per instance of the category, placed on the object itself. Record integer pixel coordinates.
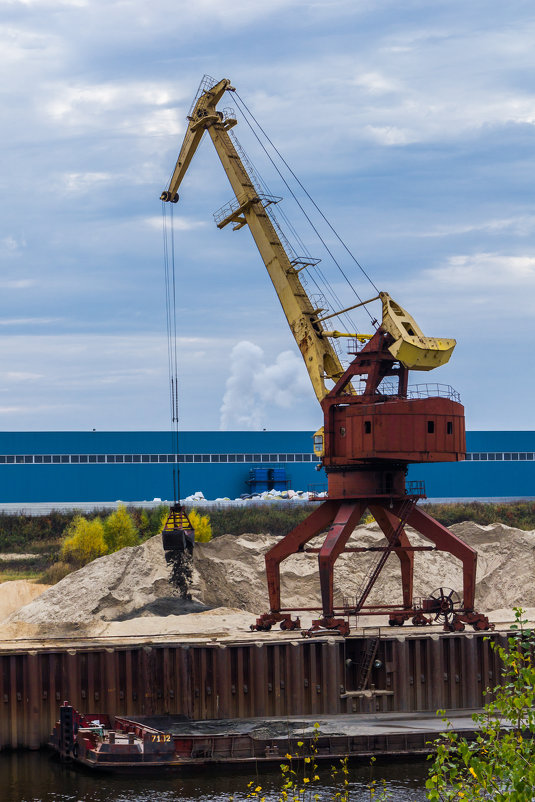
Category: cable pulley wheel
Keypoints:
(444, 602)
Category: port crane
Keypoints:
(374, 425)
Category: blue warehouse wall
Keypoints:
(23, 479)
(72, 467)
(499, 464)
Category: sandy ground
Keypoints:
(129, 594)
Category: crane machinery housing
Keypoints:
(374, 426)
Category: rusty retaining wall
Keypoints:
(236, 680)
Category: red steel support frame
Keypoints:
(445, 540)
(388, 523)
(340, 518)
(347, 517)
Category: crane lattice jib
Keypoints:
(318, 353)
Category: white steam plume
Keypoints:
(255, 391)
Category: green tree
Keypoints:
(84, 541)
(500, 763)
(120, 530)
(144, 525)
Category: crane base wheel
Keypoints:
(328, 626)
(265, 621)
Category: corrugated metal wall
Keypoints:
(278, 678)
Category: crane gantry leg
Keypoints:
(347, 517)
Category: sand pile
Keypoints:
(15, 594)
(230, 570)
(129, 592)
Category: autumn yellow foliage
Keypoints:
(84, 541)
(120, 530)
(201, 525)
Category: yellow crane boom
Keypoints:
(320, 358)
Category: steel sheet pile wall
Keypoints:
(277, 678)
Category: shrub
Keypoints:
(143, 525)
(54, 573)
(499, 765)
(149, 522)
(157, 518)
(202, 526)
(84, 541)
(120, 530)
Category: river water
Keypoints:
(39, 777)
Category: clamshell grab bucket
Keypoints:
(178, 534)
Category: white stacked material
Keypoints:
(266, 497)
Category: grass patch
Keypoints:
(280, 519)
(54, 573)
(257, 519)
(520, 514)
(19, 532)
(28, 574)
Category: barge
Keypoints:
(171, 742)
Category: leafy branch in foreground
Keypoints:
(301, 781)
(500, 763)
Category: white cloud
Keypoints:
(138, 108)
(28, 321)
(522, 226)
(11, 243)
(49, 5)
(179, 223)
(486, 272)
(81, 182)
(19, 44)
(20, 376)
(107, 381)
(390, 135)
(375, 83)
(470, 296)
(17, 410)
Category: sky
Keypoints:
(410, 124)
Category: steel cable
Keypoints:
(245, 110)
(345, 318)
(171, 327)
